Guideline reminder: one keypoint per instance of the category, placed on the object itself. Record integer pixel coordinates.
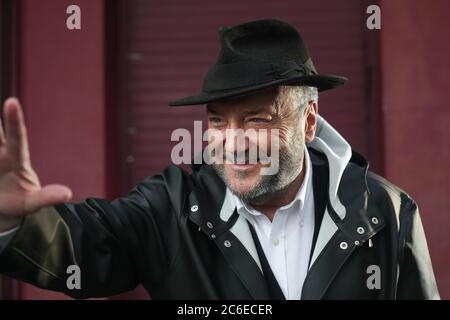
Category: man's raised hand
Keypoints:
(20, 189)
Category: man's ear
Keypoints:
(311, 121)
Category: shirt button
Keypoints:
(275, 242)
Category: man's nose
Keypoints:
(235, 140)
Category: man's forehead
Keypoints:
(245, 109)
(263, 101)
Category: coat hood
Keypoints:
(338, 152)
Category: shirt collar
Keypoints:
(301, 196)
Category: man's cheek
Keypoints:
(269, 157)
(284, 135)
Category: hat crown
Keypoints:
(264, 40)
(258, 55)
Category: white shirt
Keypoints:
(287, 240)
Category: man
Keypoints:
(321, 227)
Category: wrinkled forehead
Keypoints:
(263, 101)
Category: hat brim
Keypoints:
(321, 82)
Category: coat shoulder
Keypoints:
(174, 184)
(390, 199)
(170, 178)
(380, 186)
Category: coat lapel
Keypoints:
(240, 229)
(234, 240)
(338, 238)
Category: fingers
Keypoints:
(16, 134)
(47, 196)
(2, 133)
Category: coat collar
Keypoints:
(338, 238)
(210, 207)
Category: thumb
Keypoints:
(47, 196)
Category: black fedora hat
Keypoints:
(258, 55)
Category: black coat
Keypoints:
(169, 235)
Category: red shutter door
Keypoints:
(170, 45)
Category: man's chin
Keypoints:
(241, 190)
(243, 185)
(242, 180)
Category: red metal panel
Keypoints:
(171, 44)
(415, 72)
(62, 90)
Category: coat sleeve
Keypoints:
(416, 277)
(110, 242)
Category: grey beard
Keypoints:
(290, 166)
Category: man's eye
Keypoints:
(215, 120)
(259, 120)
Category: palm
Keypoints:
(20, 189)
